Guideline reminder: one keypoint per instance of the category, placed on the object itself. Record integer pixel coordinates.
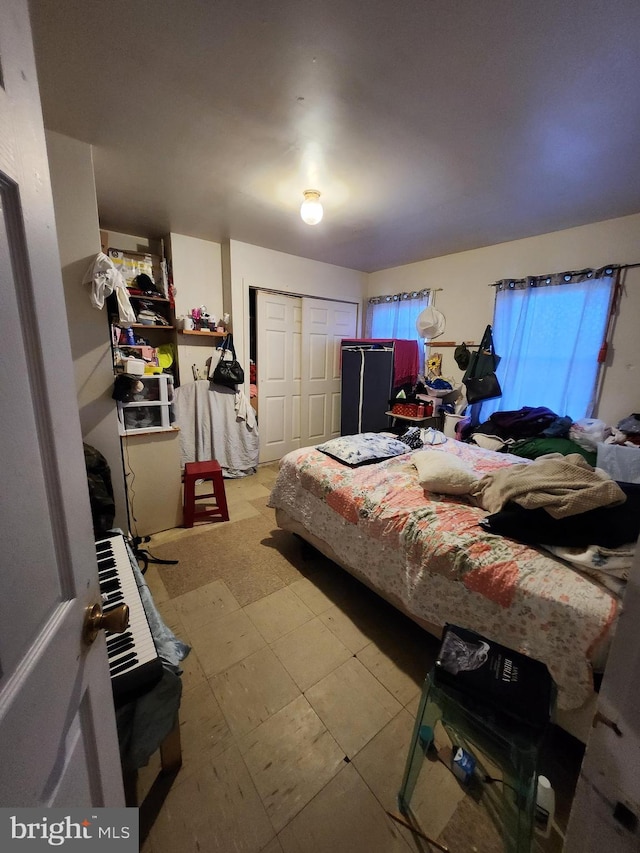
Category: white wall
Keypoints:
(74, 198)
(253, 266)
(609, 772)
(197, 277)
(466, 299)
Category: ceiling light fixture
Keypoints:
(311, 210)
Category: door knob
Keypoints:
(116, 621)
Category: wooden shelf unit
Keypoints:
(148, 298)
(202, 332)
(153, 326)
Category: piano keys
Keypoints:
(134, 664)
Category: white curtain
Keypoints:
(548, 331)
(395, 316)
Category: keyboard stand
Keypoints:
(170, 764)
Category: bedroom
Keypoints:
(609, 239)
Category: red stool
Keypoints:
(209, 470)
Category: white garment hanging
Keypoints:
(105, 278)
(244, 409)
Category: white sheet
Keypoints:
(211, 428)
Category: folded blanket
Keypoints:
(562, 485)
(610, 567)
(616, 562)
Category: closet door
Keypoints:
(324, 325)
(279, 348)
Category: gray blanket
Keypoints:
(215, 424)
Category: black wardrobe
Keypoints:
(367, 384)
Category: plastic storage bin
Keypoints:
(151, 410)
(450, 424)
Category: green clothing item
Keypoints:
(532, 448)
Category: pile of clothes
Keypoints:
(531, 432)
(558, 499)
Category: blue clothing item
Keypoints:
(144, 723)
(439, 384)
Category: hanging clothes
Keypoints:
(215, 424)
(105, 278)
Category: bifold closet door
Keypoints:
(324, 324)
(279, 353)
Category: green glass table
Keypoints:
(506, 754)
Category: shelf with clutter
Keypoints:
(431, 402)
(201, 334)
(200, 322)
(139, 356)
(143, 324)
(135, 290)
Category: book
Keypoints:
(494, 676)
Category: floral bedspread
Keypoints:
(430, 552)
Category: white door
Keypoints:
(58, 742)
(279, 324)
(324, 325)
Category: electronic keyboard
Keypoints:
(134, 664)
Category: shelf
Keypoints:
(130, 433)
(202, 332)
(412, 419)
(147, 326)
(162, 299)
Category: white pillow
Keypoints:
(443, 473)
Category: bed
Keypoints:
(427, 555)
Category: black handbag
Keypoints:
(228, 373)
(480, 379)
(482, 388)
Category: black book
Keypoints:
(507, 682)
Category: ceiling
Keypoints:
(429, 126)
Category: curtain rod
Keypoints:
(613, 266)
(388, 298)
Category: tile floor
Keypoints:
(296, 716)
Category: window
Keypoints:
(548, 331)
(395, 317)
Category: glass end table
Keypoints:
(505, 753)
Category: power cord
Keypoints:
(145, 557)
(484, 777)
